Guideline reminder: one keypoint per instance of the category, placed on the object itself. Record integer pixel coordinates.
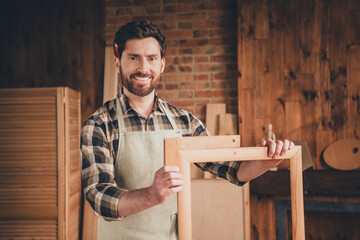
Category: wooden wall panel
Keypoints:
(54, 43)
(299, 71)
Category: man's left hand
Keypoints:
(276, 148)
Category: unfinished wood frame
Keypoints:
(183, 151)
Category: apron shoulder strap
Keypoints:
(168, 115)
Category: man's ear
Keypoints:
(117, 64)
(162, 65)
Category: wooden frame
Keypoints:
(183, 151)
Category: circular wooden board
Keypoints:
(343, 154)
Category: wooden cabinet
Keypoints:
(40, 168)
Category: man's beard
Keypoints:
(139, 89)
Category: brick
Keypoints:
(172, 51)
(172, 43)
(209, 93)
(193, 16)
(170, 1)
(218, 84)
(169, 26)
(146, 2)
(223, 13)
(194, 42)
(178, 78)
(201, 77)
(178, 34)
(221, 32)
(178, 8)
(183, 103)
(194, 85)
(223, 58)
(185, 25)
(121, 11)
(200, 33)
(171, 86)
(154, 19)
(210, 67)
(186, 94)
(153, 10)
(216, 23)
(169, 18)
(116, 3)
(185, 51)
(171, 68)
(166, 94)
(138, 10)
(199, 59)
(223, 75)
(207, 50)
(171, 60)
(110, 12)
(224, 41)
(185, 59)
(117, 20)
(201, 111)
(185, 69)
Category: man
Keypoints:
(123, 176)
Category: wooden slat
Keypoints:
(338, 69)
(292, 50)
(353, 86)
(212, 117)
(262, 24)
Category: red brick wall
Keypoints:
(201, 60)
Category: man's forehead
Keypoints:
(148, 46)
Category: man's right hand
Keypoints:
(167, 180)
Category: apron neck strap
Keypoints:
(167, 113)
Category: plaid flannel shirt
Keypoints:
(99, 146)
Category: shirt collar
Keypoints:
(126, 107)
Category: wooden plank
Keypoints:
(307, 59)
(262, 24)
(212, 117)
(262, 80)
(322, 66)
(308, 111)
(291, 50)
(247, 44)
(338, 78)
(293, 121)
(248, 136)
(353, 98)
(228, 124)
(206, 194)
(110, 76)
(262, 217)
(61, 158)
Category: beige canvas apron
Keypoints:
(140, 155)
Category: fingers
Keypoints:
(285, 147)
(262, 143)
(272, 147)
(278, 148)
(167, 180)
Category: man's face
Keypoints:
(140, 66)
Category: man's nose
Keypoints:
(144, 67)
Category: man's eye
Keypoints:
(133, 58)
(152, 58)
